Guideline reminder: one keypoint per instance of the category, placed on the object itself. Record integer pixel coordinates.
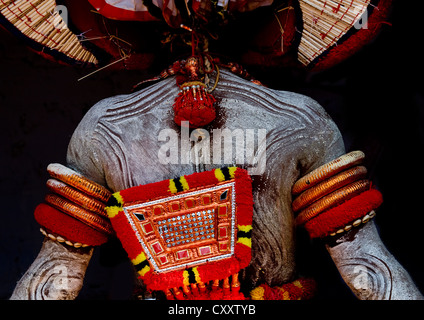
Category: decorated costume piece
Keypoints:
(74, 212)
(188, 231)
(335, 197)
(140, 166)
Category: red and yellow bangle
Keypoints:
(77, 197)
(61, 239)
(348, 213)
(78, 181)
(58, 223)
(327, 186)
(328, 170)
(354, 224)
(75, 208)
(85, 216)
(335, 197)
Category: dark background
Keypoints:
(376, 99)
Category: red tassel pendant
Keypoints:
(194, 103)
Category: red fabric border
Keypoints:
(126, 235)
(244, 193)
(147, 192)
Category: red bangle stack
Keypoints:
(75, 209)
(335, 197)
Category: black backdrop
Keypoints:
(376, 99)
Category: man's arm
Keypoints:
(56, 274)
(77, 224)
(360, 256)
(369, 269)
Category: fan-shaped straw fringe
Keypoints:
(39, 21)
(324, 23)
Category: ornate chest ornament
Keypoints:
(187, 236)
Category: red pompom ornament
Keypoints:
(194, 104)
